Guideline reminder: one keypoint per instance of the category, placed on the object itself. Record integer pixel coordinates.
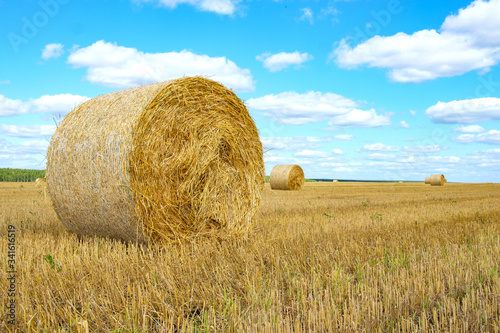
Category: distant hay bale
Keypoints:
(400, 182)
(39, 182)
(427, 180)
(437, 180)
(168, 161)
(287, 177)
(335, 181)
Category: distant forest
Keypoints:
(20, 175)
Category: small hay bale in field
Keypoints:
(287, 177)
(427, 180)
(39, 182)
(168, 161)
(437, 180)
(400, 182)
(335, 181)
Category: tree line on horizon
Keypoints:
(20, 175)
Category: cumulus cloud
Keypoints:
(470, 129)
(465, 111)
(403, 124)
(381, 157)
(338, 151)
(28, 131)
(51, 104)
(492, 151)
(117, 66)
(313, 154)
(53, 50)
(360, 118)
(491, 137)
(344, 137)
(292, 143)
(223, 7)
(307, 15)
(424, 149)
(423, 160)
(296, 109)
(279, 61)
(380, 147)
(466, 41)
(413, 112)
(28, 147)
(479, 20)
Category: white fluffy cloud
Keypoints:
(51, 104)
(465, 111)
(53, 50)
(467, 41)
(28, 147)
(117, 66)
(491, 137)
(424, 149)
(403, 124)
(469, 129)
(380, 147)
(224, 7)
(360, 118)
(279, 61)
(307, 15)
(296, 109)
(344, 137)
(28, 131)
(381, 157)
(479, 20)
(313, 154)
(292, 143)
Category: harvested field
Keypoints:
(346, 257)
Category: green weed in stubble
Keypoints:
(377, 217)
(48, 258)
(329, 216)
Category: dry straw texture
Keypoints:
(287, 177)
(335, 181)
(427, 180)
(168, 161)
(437, 180)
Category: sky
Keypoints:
(347, 89)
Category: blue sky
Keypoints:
(358, 89)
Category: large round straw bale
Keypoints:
(168, 161)
(287, 177)
(427, 180)
(437, 180)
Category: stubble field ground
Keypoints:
(346, 257)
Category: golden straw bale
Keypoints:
(335, 181)
(168, 161)
(437, 180)
(287, 177)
